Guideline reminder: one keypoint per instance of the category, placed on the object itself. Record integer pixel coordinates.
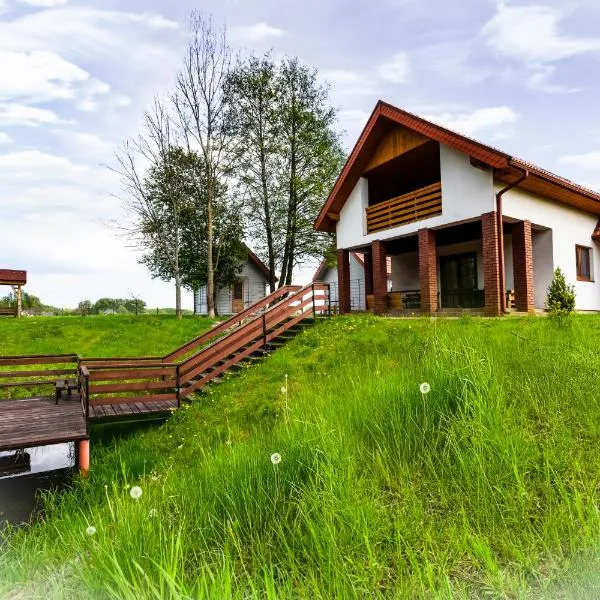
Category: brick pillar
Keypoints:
(523, 266)
(379, 276)
(343, 267)
(491, 264)
(368, 273)
(428, 271)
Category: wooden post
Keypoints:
(84, 458)
(19, 295)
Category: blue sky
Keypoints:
(75, 77)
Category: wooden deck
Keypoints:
(134, 409)
(40, 421)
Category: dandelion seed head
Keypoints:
(276, 458)
(283, 389)
(425, 388)
(91, 530)
(135, 492)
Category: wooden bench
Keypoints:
(8, 312)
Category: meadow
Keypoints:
(483, 483)
(98, 335)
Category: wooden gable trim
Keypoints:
(396, 142)
(382, 119)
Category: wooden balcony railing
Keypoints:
(414, 206)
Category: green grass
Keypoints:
(488, 485)
(99, 336)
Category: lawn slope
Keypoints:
(487, 484)
(98, 335)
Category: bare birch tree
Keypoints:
(155, 197)
(201, 105)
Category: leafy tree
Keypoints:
(290, 157)
(135, 305)
(28, 301)
(254, 119)
(560, 298)
(201, 102)
(84, 307)
(156, 195)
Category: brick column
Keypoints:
(428, 271)
(343, 268)
(491, 264)
(368, 273)
(523, 266)
(379, 276)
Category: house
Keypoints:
(250, 287)
(358, 298)
(466, 226)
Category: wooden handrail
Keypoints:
(233, 320)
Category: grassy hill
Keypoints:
(488, 484)
(98, 335)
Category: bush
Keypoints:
(560, 299)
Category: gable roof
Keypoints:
(12, 277)
(259, 264)
(507, 168)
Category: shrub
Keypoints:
(560, 299)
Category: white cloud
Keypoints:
(396, 70)
(540, 81)
(531, 34)
(492, 120)
(254, 33)
(349, 83)
(4, 138)
(44, 3)
(39, 75)
(18, 114)
(589, 161)
(26, 163)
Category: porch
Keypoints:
(454, 269)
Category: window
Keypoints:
(584, 263)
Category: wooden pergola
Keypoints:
(16, 280)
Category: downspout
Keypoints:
(524, 175)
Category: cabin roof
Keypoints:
(507, 168)
(12, 277)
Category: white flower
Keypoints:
(425, 388)
(283, 389)
(276, 458)
(135, 492)
(91, 530)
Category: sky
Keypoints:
(76, 76)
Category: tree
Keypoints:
(560, 299)
(313, 156)
(134, 304)
(288, 158)
(84, 307)
(200, 101)
(158, 198)
(253, 116)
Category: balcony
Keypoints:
(423, 203)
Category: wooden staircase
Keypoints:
(85, 390)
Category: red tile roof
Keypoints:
(12, 277)
(542, 181)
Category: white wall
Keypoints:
(570, 227)
(255, 288)
(467, 193)
(357, 284)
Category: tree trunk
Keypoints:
(178, 295)
(210, 271)
(268, 224)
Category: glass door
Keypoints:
(458, 278)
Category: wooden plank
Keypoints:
(396, 142)
(124, 374)
(130, 399)
(37, 372)
(110, 388)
